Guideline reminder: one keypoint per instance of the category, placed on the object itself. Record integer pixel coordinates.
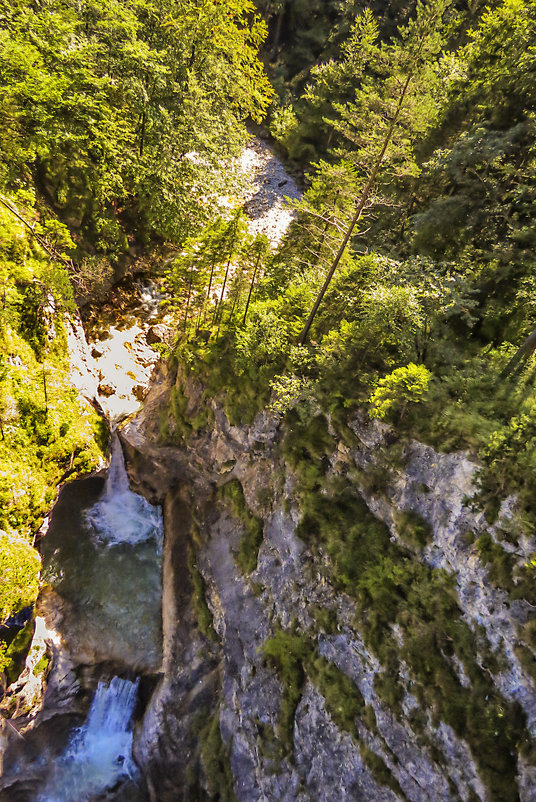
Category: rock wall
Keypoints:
(383, 755)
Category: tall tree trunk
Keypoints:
(358, 212)
(188, 299)
(231, 251)
(521, 355)
(210, 280)
(218, 305)
(43, 241)
(238, 294)
(277, 34)
(142, 133)
(251, 288)
(45, 389)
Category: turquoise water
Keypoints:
(102, 555)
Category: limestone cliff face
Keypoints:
(227, 720)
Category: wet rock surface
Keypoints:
(112, 366)
(437, 487)
(212, 725)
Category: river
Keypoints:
(102, 557)
(102, 560)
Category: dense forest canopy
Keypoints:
(433, 294)
(123, 114)
(119, 122)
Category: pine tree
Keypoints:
(393, 107)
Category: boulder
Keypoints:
(106, 389)
(157, 334)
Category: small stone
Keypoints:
(139, 392)
(106, 389)
(157, 334)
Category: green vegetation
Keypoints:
(391, 587)
(125, 112)
(204, 616)
(380, 770)
(12, 658)
(19, 569)
(294, 657)
(41, 667)
(288, 651)
(183, 425)
(430, 300)
(325, 619)
(248, 552)
(404, 290)
(422, 328)
(397, 390)
(270, 746)
(215, 762)
(503, 571)
(413, 530)
(47, 433)
(119, 126)
(344, 701)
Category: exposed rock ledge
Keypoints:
(230, 679)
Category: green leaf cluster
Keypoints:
(47, 432)
(402, 388)
(127, 113)
(19, 573)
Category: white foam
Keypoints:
(121, 516)
(100, 752)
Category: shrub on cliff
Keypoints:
(19, 573)
(400, 389)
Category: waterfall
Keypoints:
(121, 516)
(100, 752)
(117, 479)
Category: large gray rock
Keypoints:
(288, 583)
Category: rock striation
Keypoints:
(224, 712)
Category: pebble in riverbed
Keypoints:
(268, 186)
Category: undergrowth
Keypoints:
(217, 771)
(47, 433)
(296, 659)
(205, 621)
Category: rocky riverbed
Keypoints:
(267, 188)
(114, 359)
(113, 353)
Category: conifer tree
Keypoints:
(393, 106)
(258, 252)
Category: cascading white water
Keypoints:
(121, 516)
(103, 556)
(100, 752)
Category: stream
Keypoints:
(102, 555)
(99, 755)
(102, 559)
